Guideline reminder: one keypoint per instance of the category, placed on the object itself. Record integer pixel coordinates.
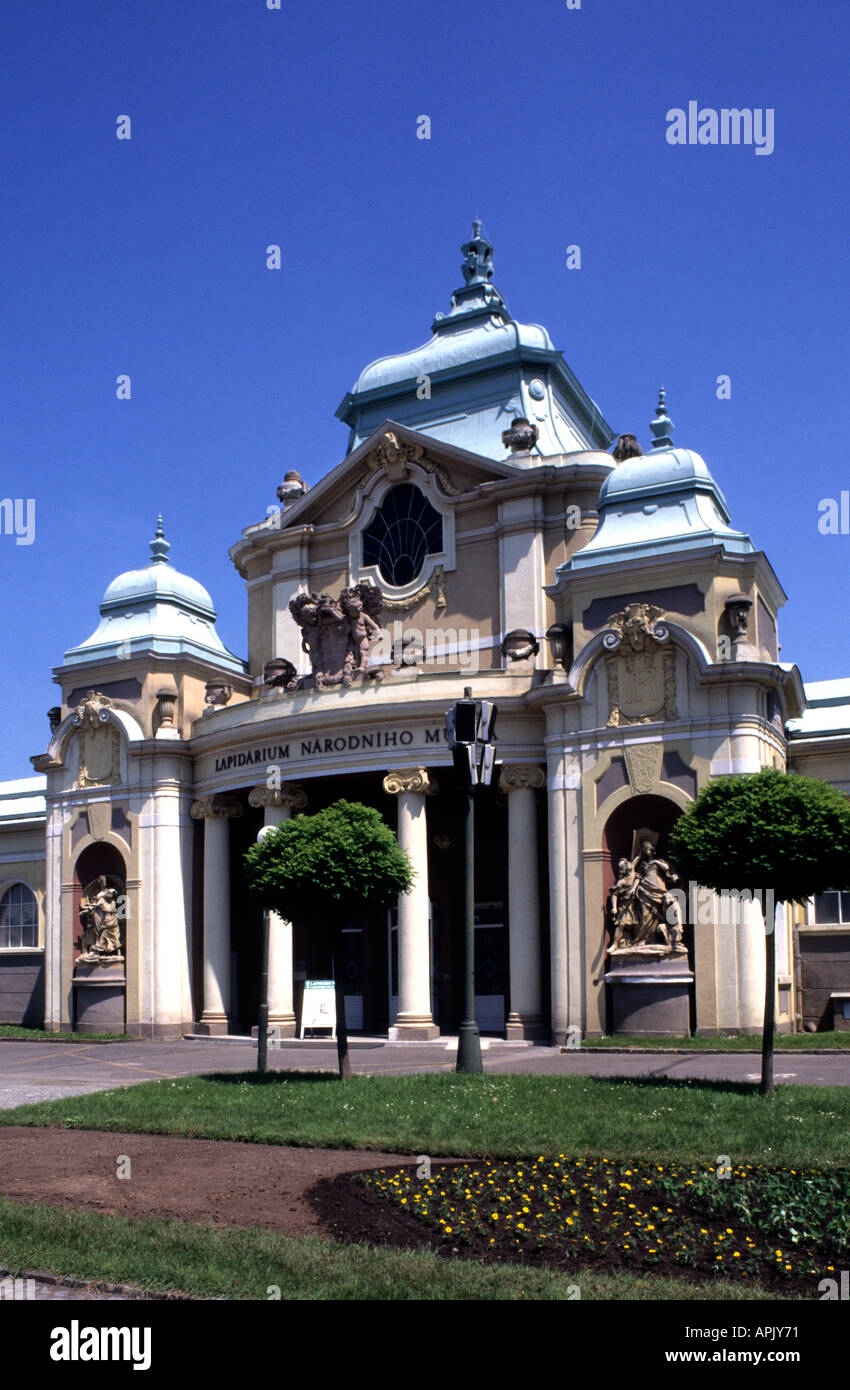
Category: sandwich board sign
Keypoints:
(318, 1007)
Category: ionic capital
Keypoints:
(289, 795)
(215, 808)
(517, 776)
(410, 779)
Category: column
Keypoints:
(558, 952)
(751, 964)
(168, 928)
(525, 1019)
(278, 805)
(215, 812)
(411, 786)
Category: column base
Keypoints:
(413, 1028)
(165, 1032)
(525, 1026)
(284, 1023)
(213, 1024)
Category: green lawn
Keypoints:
(205, 1262)
(785, 1042)
(499, 1116)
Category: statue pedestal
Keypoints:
(650, 992)
(100, 987)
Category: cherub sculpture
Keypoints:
(337, 633)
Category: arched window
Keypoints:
(405, 530)
(18, 917)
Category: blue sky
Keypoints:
(253, 126)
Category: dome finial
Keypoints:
(478, 257)
(662, 426)
(159, 545)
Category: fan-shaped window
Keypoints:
(18, 917)
(404, 531)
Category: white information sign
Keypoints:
(318, 1007)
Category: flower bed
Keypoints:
(782, 1225)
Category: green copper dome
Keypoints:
(661, 503)
(156, 609)
(480, 370)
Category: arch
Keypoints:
(692, 648)
(666, 791)
(57, 749)
(20, 916)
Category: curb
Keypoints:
(715, 1051)
(130, 1291)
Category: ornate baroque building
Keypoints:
(478, 532)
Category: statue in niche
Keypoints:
(644, 914)
(622, 910)
(101, 907)
(337, 633)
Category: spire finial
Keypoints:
(478, 257)
(662, 426)
(159, 545)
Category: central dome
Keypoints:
(480, 370)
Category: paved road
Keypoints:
(44, 1071)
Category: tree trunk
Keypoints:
(769, 1008)
(339, 996)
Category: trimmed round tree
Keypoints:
(768, 830)
(326, 869)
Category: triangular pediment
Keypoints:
(402, 455)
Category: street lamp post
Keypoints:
(263, 1020)
(470, 729)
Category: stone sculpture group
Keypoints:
(643, 913)
(99, 911)
(337, 633)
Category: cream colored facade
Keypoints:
(146, 782)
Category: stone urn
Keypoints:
(279, 672)
(217, 693)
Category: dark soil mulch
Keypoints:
(351, 1210)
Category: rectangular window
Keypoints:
(832, 909)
